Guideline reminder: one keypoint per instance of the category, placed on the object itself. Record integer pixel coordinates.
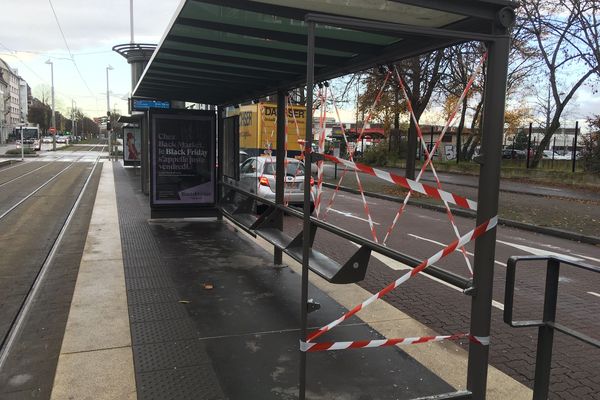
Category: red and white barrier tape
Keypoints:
(435, 175)
(343, 130)
(351, 156)
(407, 183)
(472, 235)
(367, 344)
(322, 123)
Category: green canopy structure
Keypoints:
(228, 51)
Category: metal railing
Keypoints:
(465, 284)
(547, 325)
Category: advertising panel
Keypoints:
(183, 158)
(132, 141)
(258, 128)
(249, 137)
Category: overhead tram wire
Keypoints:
(13, 53)
(69, 49)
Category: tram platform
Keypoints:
(195, 309)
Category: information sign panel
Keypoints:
(143, 104)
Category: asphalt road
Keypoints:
(421, 233)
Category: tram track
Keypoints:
(10, 336)
(2, 171)
(4, 214)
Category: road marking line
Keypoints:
(587, 258)
(444, 245)
(398, 266)
(538, 252)
(354, 198)
(349, 215)
(594, 294)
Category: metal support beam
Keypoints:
(489, 183)
(280, 167)
(393, 28)
(220, 160)
(310, 80)
(543, 359)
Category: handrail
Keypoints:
(449, 277)
(547, 325)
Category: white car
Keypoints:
(548, 155)
(257, 175)
(47, 139)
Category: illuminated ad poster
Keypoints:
(132, 142)
(183, 158)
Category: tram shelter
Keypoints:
(226, 52)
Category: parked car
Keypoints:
(61, 139)
(243, 156)
(257, 175)
(514, 154)
(549, 155)
(47, 139)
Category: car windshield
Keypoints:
(293, 168)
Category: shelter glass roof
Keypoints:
(228, 51)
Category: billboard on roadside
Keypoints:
(183, 162)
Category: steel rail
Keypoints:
(8, 340)
(37, 169)
(39, 188)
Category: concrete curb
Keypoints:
(7, 162)
(13, 156)
(96, 358)
(559, 233)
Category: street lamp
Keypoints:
(108, 127)
(53, 115)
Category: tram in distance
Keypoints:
(31, 137)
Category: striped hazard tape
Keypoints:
(369, 344)
(406, 183)
(472, 235)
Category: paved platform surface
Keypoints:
(210, 317)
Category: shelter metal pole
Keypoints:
(574, 154)
(220, 160)
(489, 183)
(529, 144)
(310, 77)
(280, 166)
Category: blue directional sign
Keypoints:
(142, 104)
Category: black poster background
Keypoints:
(183, 159)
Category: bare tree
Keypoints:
(463, 60)
(566, 35)
(422, 75)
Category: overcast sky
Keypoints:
(29, 35)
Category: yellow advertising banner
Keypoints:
(258, 127)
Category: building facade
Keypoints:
(12, 103)
(4, 108)
(24, 99)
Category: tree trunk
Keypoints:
(545, 142)
(461, 126)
